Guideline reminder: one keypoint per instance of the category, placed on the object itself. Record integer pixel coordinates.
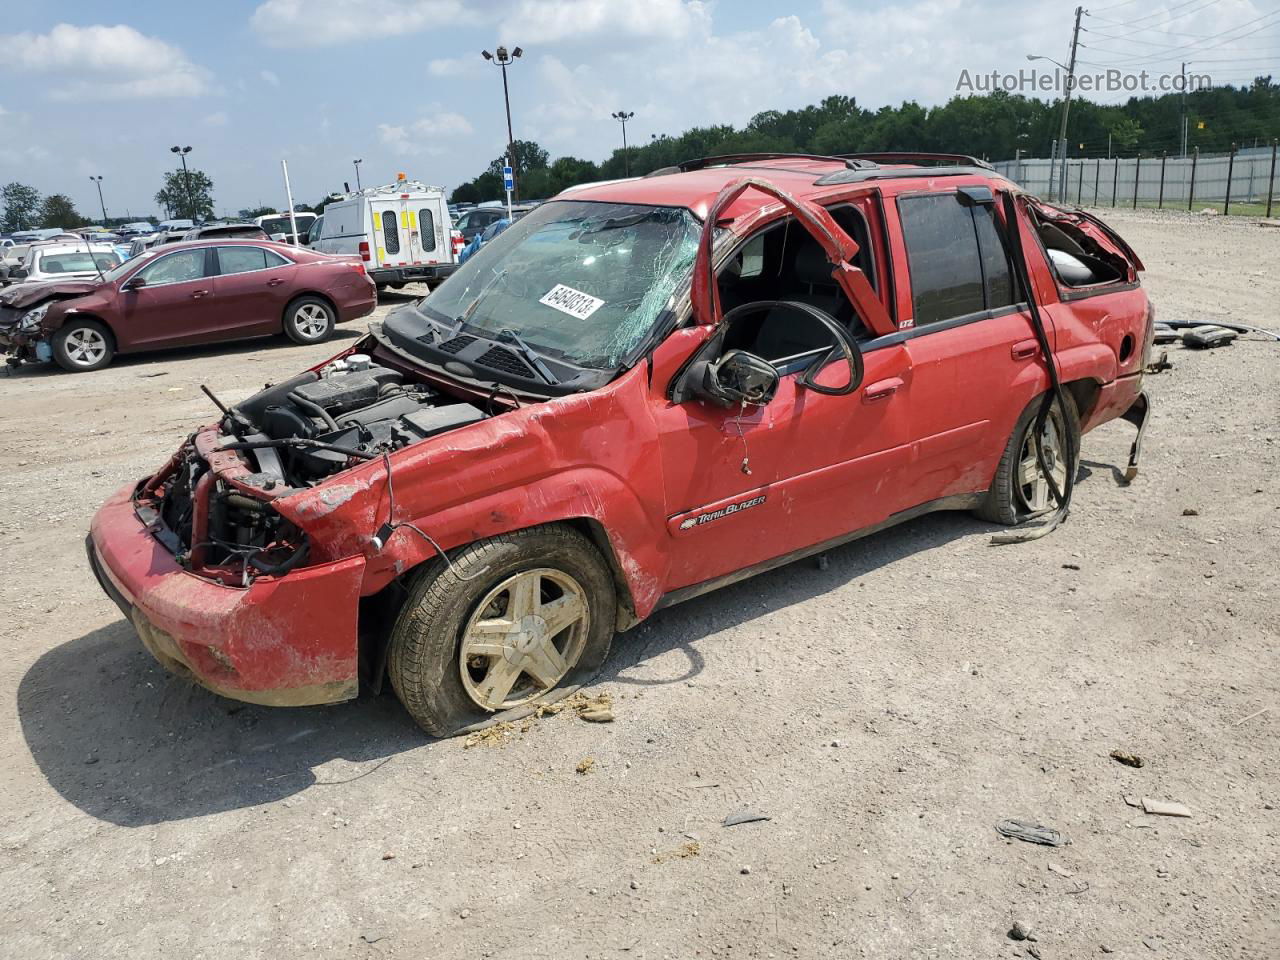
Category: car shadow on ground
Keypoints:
(128, 743)
(339, 340)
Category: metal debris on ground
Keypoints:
(1128, 759)
(1208, 336)
(586, 765)
(1031, 833)
(1164, 808)
(745, 816)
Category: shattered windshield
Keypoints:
(579, 280)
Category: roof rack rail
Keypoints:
(920, 157)
(849, 162)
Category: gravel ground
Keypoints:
(885, 712)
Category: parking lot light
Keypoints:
(504, 59)
(186, 178)
(622, 116)
(98, 180)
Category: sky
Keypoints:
(106, 89)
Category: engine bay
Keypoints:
(291, 436)
(303, 430)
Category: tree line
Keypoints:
(994, 126)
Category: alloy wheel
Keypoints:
(85, 346)
(311, 320)
(1032, 489)
(525, 636)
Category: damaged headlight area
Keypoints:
(30, 320)
(213, 529)
(212, 505)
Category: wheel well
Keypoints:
(378, 612)
(594, 530)
(309, 293)
(1085, 394)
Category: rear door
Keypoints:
(252, 286)
(974, 358)
(428, 221)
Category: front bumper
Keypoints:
(284, 641)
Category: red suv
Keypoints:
(641, 391)
(183, 294)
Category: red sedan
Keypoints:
(185, 294)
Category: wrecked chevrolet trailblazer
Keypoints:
(639, 392)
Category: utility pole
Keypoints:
(101, 202)
(1184, 110)
(1066, 104)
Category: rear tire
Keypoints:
(309, 320)
(1018, 483)
(82, 345)
(539, 614)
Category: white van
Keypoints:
(279, 226)
(401, 231)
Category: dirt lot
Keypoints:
(885, 712)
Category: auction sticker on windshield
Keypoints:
(573, 302)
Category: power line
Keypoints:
(1192, 46)
(1185, 3)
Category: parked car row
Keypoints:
(200, 291)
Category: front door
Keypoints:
(748, 485)
(175, 306)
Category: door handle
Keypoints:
(274, 282)
(881, 390)
(196, 295)
(1025, 349)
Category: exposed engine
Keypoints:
(294, 435)
(352, 407)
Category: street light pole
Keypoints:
(101, 202)
(186, 179)
(503, 59)
(356, 164)
(622, 116)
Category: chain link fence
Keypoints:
(1242, 182)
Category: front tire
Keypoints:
(1019, 490)
(309, 320)
(539, 614)
(83, 345)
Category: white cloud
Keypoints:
(270, 77)
(424, 134)
(285, 23)
(549, 21)
(455, 67)
(218, 119)
(104, 63)
(289, 23)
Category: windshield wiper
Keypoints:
(534, 360)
